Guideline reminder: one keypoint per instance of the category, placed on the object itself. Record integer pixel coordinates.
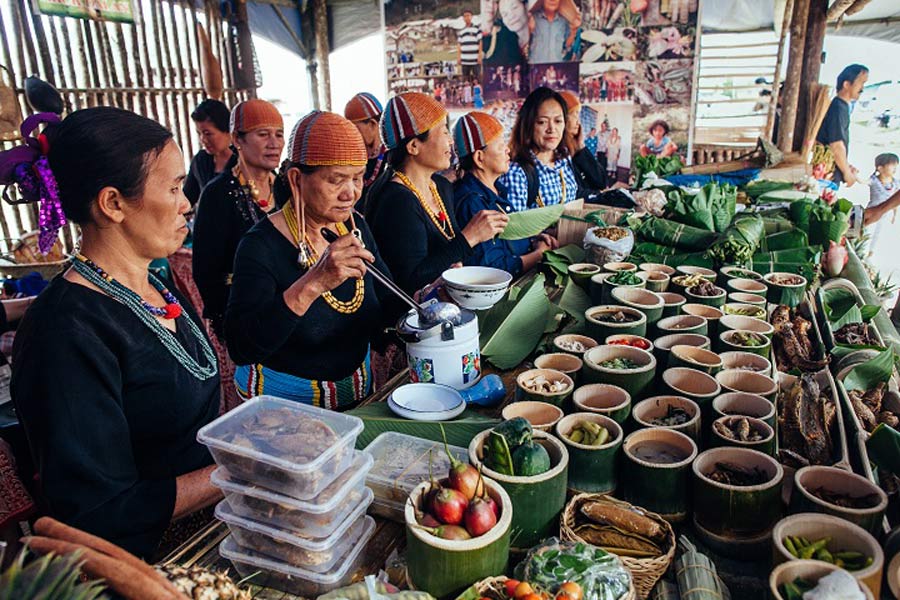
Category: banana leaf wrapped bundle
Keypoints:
(800, 213)
(757, 188)
(693, 259)
(679, 235)
(777, 225)
(807, 269)
(785, 240)
(653, 249)
(809, 254)
(665, 590)
(739, 242)
(712, 207)
(829, 223)
(697, 576)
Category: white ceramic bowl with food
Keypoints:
(476, 288)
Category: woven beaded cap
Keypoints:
(408, 115)
(322, 139)
(363, 106)
(475, 130)
(572, 100)
(254, 114)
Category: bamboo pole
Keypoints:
(20, 8)
(184, 97)
(142, 75)
(776, 83)
(164, 78)
(856, 7)
(125, 59)
(812, 66)
(108, 63)
(24, 70)
(65, 66)
(838, 8)
(320, 14)
(87, 49)
(792, 79)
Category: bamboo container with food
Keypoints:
(658, 463)
(593, 442)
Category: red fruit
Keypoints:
(493, 504)
(479, 517)
(449, 532)
(463, 477)
(449, 506)
(510, 586)
(428, 520)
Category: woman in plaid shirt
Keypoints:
(538, 148)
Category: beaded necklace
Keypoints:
(440, 220)
(112, 288)
(248, 183)
(344, 307)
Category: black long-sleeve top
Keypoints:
(323, 344)
(225, 213)
(201, 172)
(110, 415)
(411, 244)
(590, 175)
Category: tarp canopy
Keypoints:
(880, 19)
(280, 22)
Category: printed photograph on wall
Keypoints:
(661, 130)
(608, 133)
(558, 76)
(505, 82)
(504, 111)
(615, 44)
(610, 14)
(555, 27)
(435, 48)
(667, 42)
(667, 12)
(664, 82)
(607, 82)
(505, 33)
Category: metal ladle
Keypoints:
(430, 314)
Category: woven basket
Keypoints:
(645, 571)
(494, 588)
(25, 257)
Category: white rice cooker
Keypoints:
(444, 353)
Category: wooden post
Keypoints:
(320, 13)
(812, 65)
(776, 81)
(792, 80)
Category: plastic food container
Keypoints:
(318, 555)
(401, 463)
(294, 580)
(316, 518)
(284, 446)
(389, 509)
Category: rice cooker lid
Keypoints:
(409, 328)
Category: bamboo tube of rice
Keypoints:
(697, 576)
(818, 102)
(664, 590)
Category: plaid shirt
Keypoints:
(550, 184)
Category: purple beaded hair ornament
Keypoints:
(28, 168)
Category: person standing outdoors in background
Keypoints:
(468, 52)
(834, 133)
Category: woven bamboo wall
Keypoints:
(151, 67)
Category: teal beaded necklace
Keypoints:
(117, 291)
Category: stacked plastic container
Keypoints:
(401, 463)
(295, 494)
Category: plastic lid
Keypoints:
(229, 549)
(334, 494)
(232, 423)
(224, 513)
(401, 461)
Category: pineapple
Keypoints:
(51, 577)
(198, 583)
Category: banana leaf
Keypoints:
(800, 213)
(512, 328)
(806, 254)
(558, 261)
(652, 249)
(693, 259)
(856, 314)
(883, 448)
(575, 301)
(378, 418)
(785, 240)
(691, 209)
(867, 374)
(529, 223)
(836, 302)
(777, 225)
(758, 187)
(670, 233)
(739, 242)
(722, 203)
(763, 267)
(829, 223)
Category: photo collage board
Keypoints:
(630, 61)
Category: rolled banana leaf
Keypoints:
(670, 233)
(529, 223)
(739, 242)
(785, 240)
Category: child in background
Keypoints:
(659, 143)
(882, 185)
